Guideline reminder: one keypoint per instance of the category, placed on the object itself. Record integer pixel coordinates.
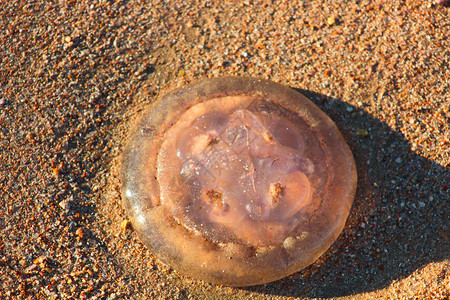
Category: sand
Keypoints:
(76, 75)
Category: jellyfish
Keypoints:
(237, 181)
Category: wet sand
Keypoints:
(75, 76)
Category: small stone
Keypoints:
(31, 269)
(126, 224)
(80, 233)
(112, 296)
(331, 20)
(398, 160)
(65, 204)
(349, 109)
(421, 204)
(40, 260)
(55, 172)
(362, 133)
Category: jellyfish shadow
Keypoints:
(398, 223)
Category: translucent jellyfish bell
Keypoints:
(237, 181)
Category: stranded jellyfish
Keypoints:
(237, 181)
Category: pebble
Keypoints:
(80, 233)
(362, 133)
(331, 20)
(126, 225)
(65, 204)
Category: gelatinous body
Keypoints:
(237, 181)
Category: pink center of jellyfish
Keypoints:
(235, 174)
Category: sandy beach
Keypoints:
(75, 76)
